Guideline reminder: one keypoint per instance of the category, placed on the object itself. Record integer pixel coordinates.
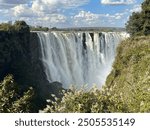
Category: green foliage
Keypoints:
(131, 73)
(135, 24)
(39, 28)
(23, 104)
(10, 98)
(83, 101)
(146, 17)
(139, 23)
(6, 27)
(19, 26)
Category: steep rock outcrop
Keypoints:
(20, 56)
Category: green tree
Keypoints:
(135, 24)
(146, 17)
(139, 22)
(11, 99)
(6, 27)
(21, 26)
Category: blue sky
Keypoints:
(69, 13)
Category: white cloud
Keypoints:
(119, 15)
(7, 4)
(51, 5)
(117, 2)
(54, 18)
(44, 4)
(39, 13)
(22, 11)
(45, 7)
(74, 3)
(14, 1)
(86, 18)
(91, 19)
(136, 8)
(62, 13)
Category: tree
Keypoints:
(139, 22)
(135, 24)
(11, 99)
(21, 26)
(6, 27)
(146, 17)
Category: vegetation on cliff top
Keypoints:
(131, 73)
(18, 26)
(139, 22)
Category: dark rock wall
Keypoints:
(20, 55)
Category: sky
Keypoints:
(69, 13)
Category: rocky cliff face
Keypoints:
(20, 56)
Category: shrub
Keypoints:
(11, 100)
(91, 101)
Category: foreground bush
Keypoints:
(11, 99)
(87, 101)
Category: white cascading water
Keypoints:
(78, 58)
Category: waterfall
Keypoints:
(78, 58)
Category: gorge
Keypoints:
(51, 61)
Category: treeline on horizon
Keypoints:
(12, 27)
(20, 25)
